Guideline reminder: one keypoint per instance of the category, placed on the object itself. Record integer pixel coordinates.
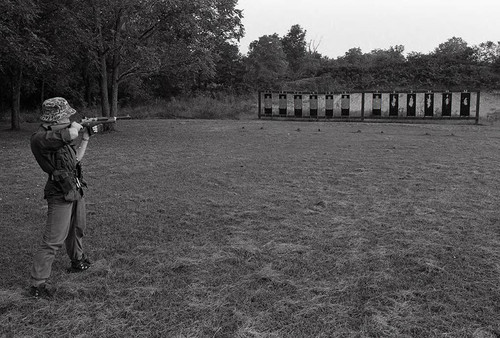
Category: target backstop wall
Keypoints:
(370, 105)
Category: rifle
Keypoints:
(94, 122)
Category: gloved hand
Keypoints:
(74, 128)
(76, 125)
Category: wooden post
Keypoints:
(260, 103)
(478, 101)
(362, 106)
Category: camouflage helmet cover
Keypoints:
(56, 108)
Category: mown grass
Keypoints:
(254, 228)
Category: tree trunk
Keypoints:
(16, 99)
(104, 86)
(114, 96)
(42, 95)
(116, 62)
(88, 85)
(102, 69)
(114, 90)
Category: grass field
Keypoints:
(251, 228)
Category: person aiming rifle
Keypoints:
(58, 152)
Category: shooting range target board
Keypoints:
(370, 105)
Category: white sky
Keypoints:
(338, 25)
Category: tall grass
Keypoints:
(196, 107)
(222, 107)
(199, 107)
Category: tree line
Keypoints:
(292, 63)
(111, 53)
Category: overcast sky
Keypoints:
(335, 26)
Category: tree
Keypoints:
(142, 38)
(74, 74)
(393, 55)
(229, 68)
(453, 47)
(311, 64)
(266, 62)
(455, 62)
(211, 27)
(23, 48)
(387, 67)
(354, 57)
(487, 52)
(487, 57)
(294, 46)
(118, 34)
